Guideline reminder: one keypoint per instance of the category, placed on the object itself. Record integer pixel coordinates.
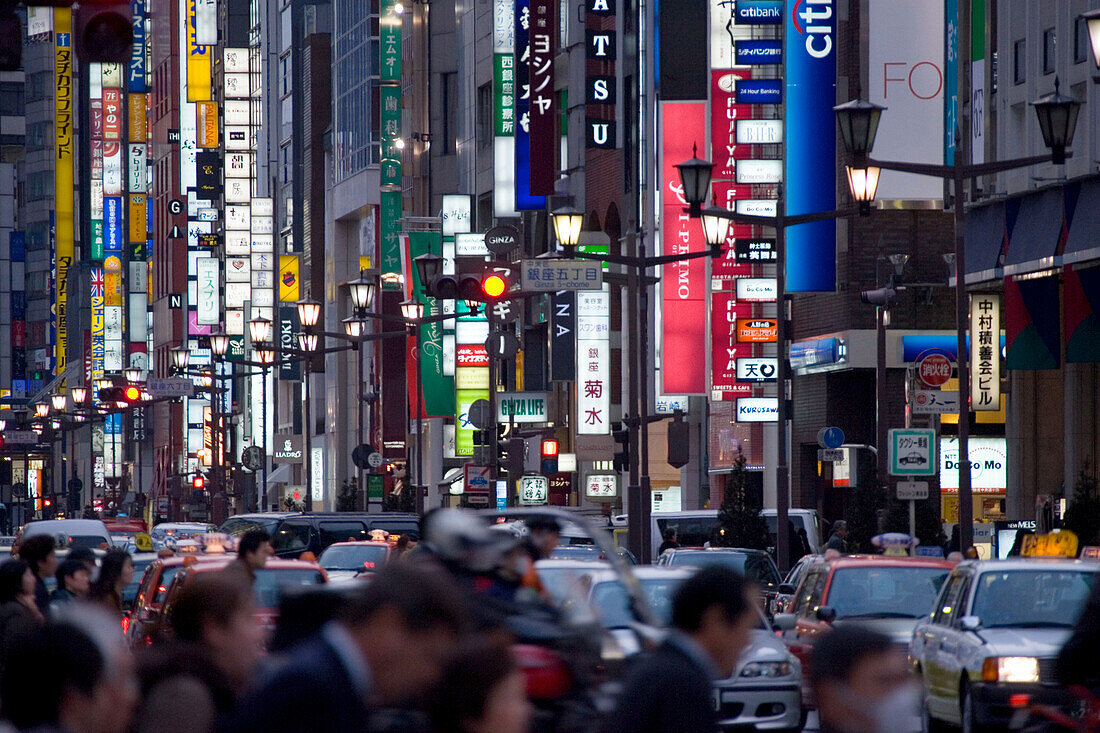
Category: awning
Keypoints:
(1033, 241)
(1083, 242)
(1032, 323)
(1081, 292)
(985, 236)
(280, 475)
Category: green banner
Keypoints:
(390, 257)
(390, 100)
(96, 252)
(504, 96)
(390, 41)
(439, 390)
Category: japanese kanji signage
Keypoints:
(543, 135)
(593, 361)
(726, 350)
(912, 452)
(551, 276)
(504, 108)
(985, 357)
(208, 287)
(601, 486)
(390, 41)
(390, 119)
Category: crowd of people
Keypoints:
(421, 647)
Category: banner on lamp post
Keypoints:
(985, 352)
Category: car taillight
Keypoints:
(125, 624)
(546, 674)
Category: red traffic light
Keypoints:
(198, 483)
(549, 448)
(132, 393)
(493, 286)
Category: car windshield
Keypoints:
(270, 583)
(84, 542)
(129, 593)
(237, 526)
(884, 591)
(1031, 597)
(567, 584)
(690, 531)
(756, 567)
(612, 604)
(352, 557)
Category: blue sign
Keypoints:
(916, 347)
(136, 71)
(928, 551)
(832, 437)
(758, 52)
(112, 224)
(815, 352)
(810, 183)
(950, 78)
(17, 246)
(502, 502)
(758, 12)
(759, 91)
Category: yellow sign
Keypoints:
(198, 61)
(63, 174)
(289, 290)
(138, 126)
(364, 262)
(138, 214)
(206, 119)
(1055, 544)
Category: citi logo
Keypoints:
(759, 11)
(816, 26)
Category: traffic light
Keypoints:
(11, 37)
(124, 395)
(487, 286)
(878, 296)
(679, 443)
(198, 483)
(517, 451)
(549, 455)
(103, 31)
(621, 459)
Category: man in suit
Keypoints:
(385, 650)
(670, 689)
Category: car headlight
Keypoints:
(1010, 669)
(766, 669)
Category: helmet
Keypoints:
(460, 537)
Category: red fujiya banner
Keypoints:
(724, 113)
(725, 310)
(683, 284)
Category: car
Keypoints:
(238, 524)
(349, 560)
(885, 593)
(71, 533)
(153, 586)
(295, 533)
(142, 561)
(590, 553)
(755, 565)
(785, 593)
(165, 532)
(915, 457)
(992, 638)
(763, 693)
(271, 580)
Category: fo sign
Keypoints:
(934, 370)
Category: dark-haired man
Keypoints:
(385, 649)
(253, 550)
(670, 690)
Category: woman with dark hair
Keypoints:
(481, 691)
(38, 553)
(18, 611)
(115, 573)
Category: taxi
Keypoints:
(153, 587)
(991, 642)
(886, 593)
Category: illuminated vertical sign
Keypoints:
(725, 348)
(63, 174)
(593, 362)
(525, 200)
(683, 283)
(985, 352)
(504, 110)
(198, 59)
(390, 101)
(208, 287)
(600, 90)
(811, 145)
(542, 113)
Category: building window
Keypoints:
(449, 133)
(485, 115)
(1080, 40)
(1019, 61)
(1050, 50)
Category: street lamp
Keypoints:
(858, 121)
(1057, 115)
(695, 175)
(567, 226)
(58, 400)
(863, 184)
(1092, 22)
(259, 329)
(133, 374)
(353, 328)
(309, 312)
(307, 342)
(362, 292)
(429, 266)
(219, 344)
(715, 226)
(181, 355)
(41, 409)
(79, 394)
(411, 310)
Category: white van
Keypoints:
(694, 528)
(71, 533)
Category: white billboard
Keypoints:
(906, 74)
(988, 464)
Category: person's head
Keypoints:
(84, 555)
(714, 607)
(670, 535)
(254, 548)
(115, 573)
(73, 576)
(402, 543)
(91, 686)
(545, 534)
(16, 579)
(861, 681)
(481, 690)
(840, 527)
(216, 611)
(405, 622)
(38, 552)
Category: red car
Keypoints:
(153, 588)
(887, 594)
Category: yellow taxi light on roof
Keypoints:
(1055, 544)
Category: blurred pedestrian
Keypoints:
(545, 536)
(401, 546)
(862, 684)
(253, 550)
(386, 649)
(87, 556)
(954, 543)
(73, 582)
(838, 540)
(193, 679)
(75, 676)
(116, 572)
(670, 689)
(38, 552)
(670, 542)
(481, 690)
(18, 612)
